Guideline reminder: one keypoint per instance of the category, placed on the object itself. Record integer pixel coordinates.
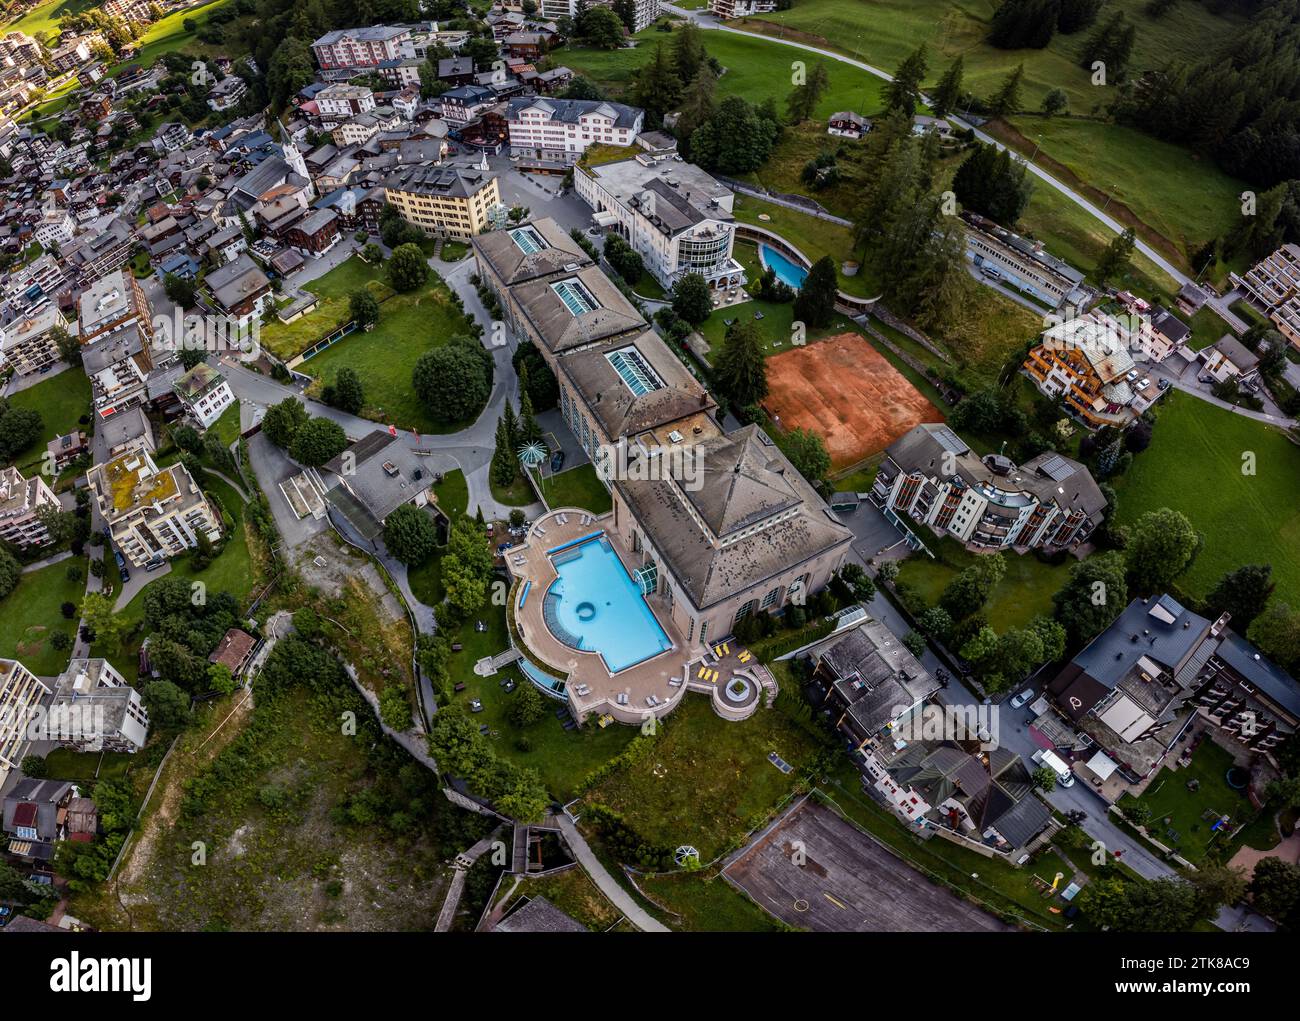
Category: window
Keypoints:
(704, 632)
(744, 612)
(770, 598)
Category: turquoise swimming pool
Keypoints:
(595, 606)
(786, 271)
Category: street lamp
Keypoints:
(1109, 197)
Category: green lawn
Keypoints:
(384, 358)
(30, 614)
(61, 400)
(577, 487)
(453, 493)
(518, 494)
(562, 757)
(66, 764)
(706, 903)
(777, 317)
(1174, 807)
(1186, 200)
(755, 68)
(1207, 328)
(45, 17)
(812, 236)
(226, 428)
(334, 290)
(884, 32)
(1024, 592)
(1072, 234)
(426, 581)
(1189, 200)
(167, 35)
(707, 780)
(1195, 465)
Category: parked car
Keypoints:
(557, 461)
(475, 705)
(121, 566)
(1022, 698)
(5, 914)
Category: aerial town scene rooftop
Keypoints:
(731, 465)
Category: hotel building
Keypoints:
(674, 214)
(933, 478)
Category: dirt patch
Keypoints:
(846, 392)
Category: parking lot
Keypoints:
(847, 882)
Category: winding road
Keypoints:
(705, 20)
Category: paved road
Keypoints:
(610, 887)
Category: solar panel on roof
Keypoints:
(950, 441)
(1056, 468)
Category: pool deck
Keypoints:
(665, 677)
(586, 670)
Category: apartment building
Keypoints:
(55, 229)
(463, 104)
(358, 49)
(89, 258)
(204, 393)
(644, 14)
(1008, 258)
(444, 201)
(95, 710)
(1273, 284)
(227, 93)
(728, 9)
(69, 56)
(931, 477)
(118, 365)
(1134, 686)
(674, 214)
(1087, 363)
(29, 285)
(344, 101)
(152, 513)
(22, 502)
(559, 131)
(21, 693)
(28, 343)
(112, 303)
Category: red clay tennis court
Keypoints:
(845, 391)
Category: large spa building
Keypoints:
(709, 526)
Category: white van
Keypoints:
(1054, 762)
